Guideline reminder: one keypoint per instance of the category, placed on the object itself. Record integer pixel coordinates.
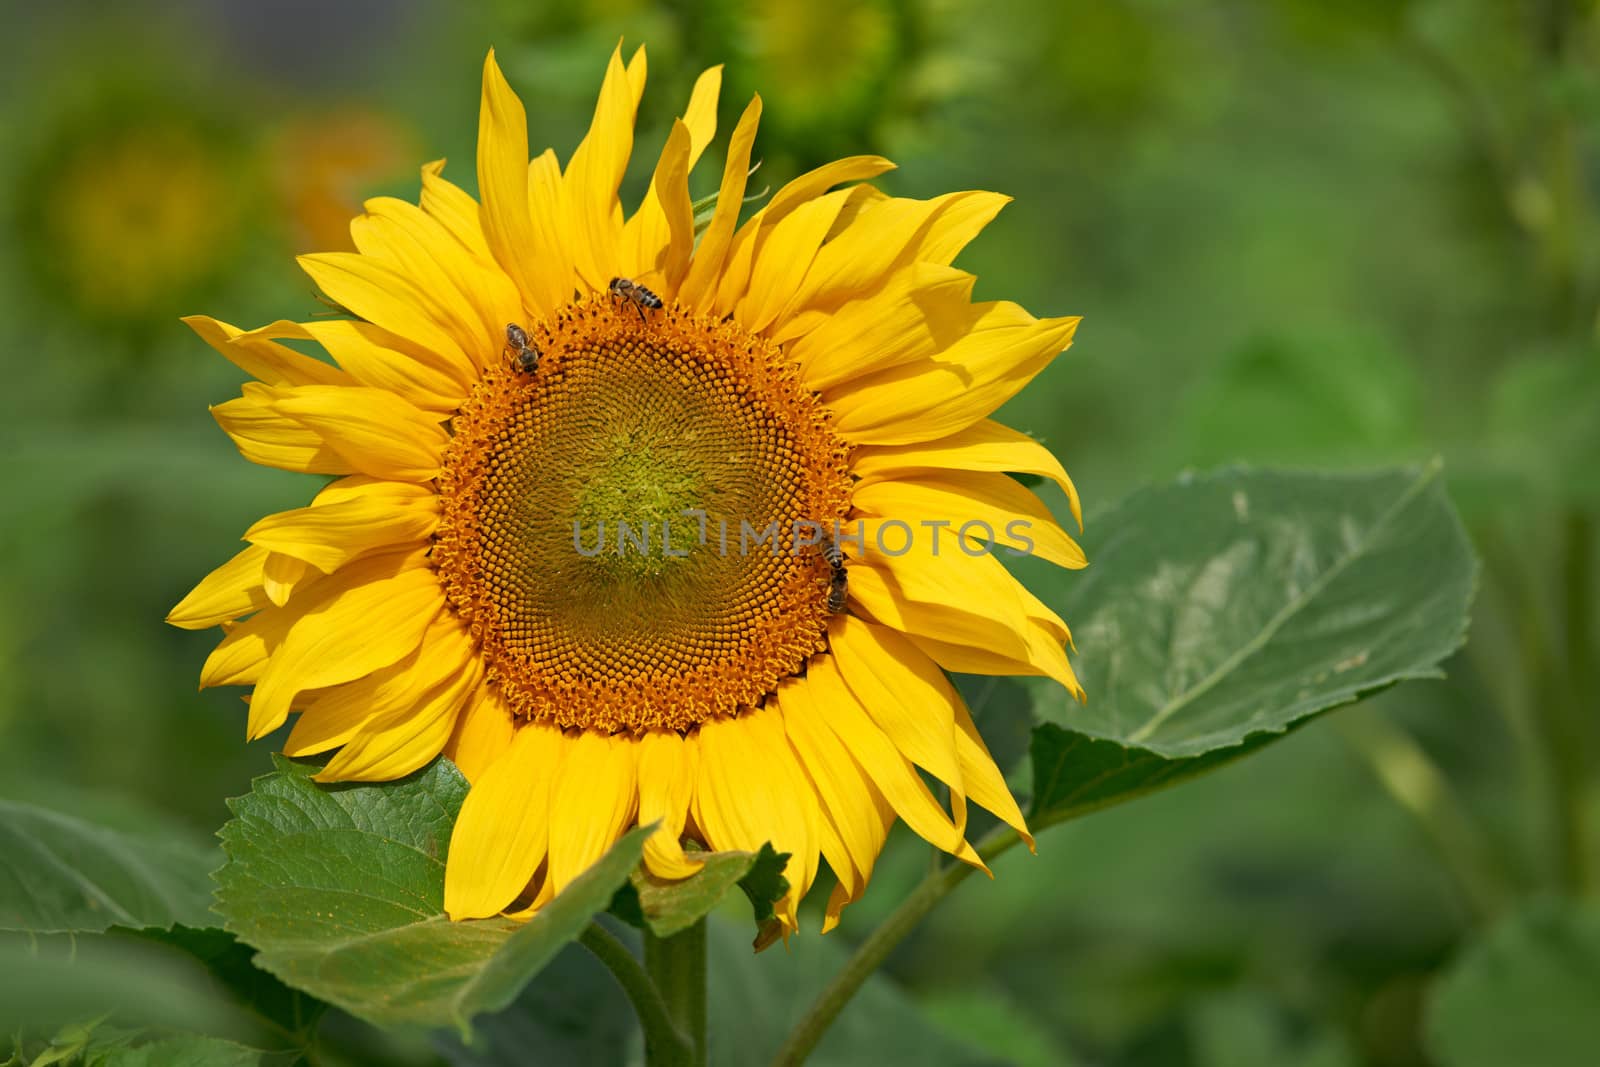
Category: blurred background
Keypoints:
(1299, 232)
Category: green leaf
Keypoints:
(189, 1050)
(61, 874)
(1075, 775)
(670, 907)
(232, 963)
(341, 891)
(1524, 994)
(574, 1013)
(1224, 610)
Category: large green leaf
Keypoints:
(1525, 994)
(1224, 610)
(341, 891)
(61, 874)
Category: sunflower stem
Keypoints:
(871, 953)
(677, 966)
(665, 1044)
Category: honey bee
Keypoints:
(524, 355)
(635, 294)
(838, 582)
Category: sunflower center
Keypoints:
(620, 526)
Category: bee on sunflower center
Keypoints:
(635, 294)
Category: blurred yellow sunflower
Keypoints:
(659, 550)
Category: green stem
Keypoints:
(677, 966)
(664, 1043)
(1547, 702)
(871, 953)
(1417, 784)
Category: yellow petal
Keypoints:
(551, 216)
(812, 184)
(850, 801)
(890, 771)
(595, 172)
(375, 357)
(338, 713)
(592, 801)
(885, 237)
(700, 286)
(475, 298)
(403, 739)
(666, 782)
(376, 432)
(1044, 657)
(783, 253)
(273, 364)
(988, 507)
(482, 733)
(502, 834)
(903, 691)
(660, 236)
(945, 595)
(230, 592)
(503, 186)
(983, 446)
(266, 436)
(328, 535)
(923, 310)
(279, 576)
(750, 248)
(454, 208)
(701, 115)
(955, 227)
(985, 784)
(242, 654)
(751, 791)
(367, 616)
(386, 298)
(935, 397)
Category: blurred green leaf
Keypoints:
(61, 981)
(189, 1050)
(1524, 993)
(1305, 399)
(231, 962)
(61, 874)
(1244, 1028)
(988, 1019)
(1239, 603)
(1543, 412)
(670, 907)
(754, 999)
(341, 888)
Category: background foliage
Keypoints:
(1300, 233)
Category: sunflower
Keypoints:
(695, 548)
